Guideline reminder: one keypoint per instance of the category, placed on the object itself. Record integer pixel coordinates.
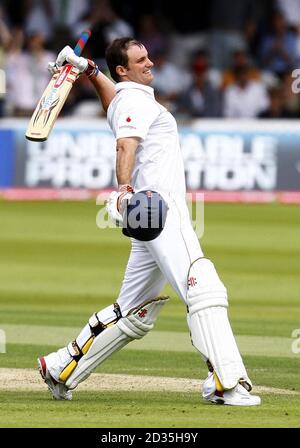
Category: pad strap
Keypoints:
(98, 322)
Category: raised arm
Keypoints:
(104, 87)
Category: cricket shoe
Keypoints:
(58, 390)
(238, 396)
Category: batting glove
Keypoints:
(83, 65)
(115, 203)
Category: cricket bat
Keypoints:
(54, 97)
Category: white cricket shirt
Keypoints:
(134, 112)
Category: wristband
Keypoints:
(92, 70)
(123, 191)
(125, 188)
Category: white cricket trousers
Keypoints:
(165, 259)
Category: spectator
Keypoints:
(106, 26)
(291, 12)
(39, 18)
(278, 49)
(276, 107)
(200, 60)
(232, 25)
(150, 35)
(239, 59)
(291, 99)
(264, 9)
(188, 23)
(169, 80)
(27, 73)
(202, 98)
(245, 98)
(58, 20)
(290, 9)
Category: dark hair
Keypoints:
(116, 54)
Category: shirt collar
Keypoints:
(133, 85)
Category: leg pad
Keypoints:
(115, 335)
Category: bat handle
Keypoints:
(84, 37)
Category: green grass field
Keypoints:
(57, 268)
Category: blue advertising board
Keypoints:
(218, 155)
(7, 158)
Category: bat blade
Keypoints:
(51, 103)
(54, 97)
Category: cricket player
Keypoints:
(149, 163)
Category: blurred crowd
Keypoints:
(222, 58)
